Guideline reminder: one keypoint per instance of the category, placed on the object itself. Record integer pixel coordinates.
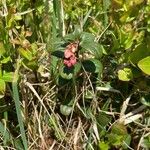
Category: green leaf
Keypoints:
(106, 105)
(115, 139)
(87, 37)
(129, 41)
(137, 2)
(102, 121)
(145, 100)
(115, 42)
(65, 110)
(54, 64)
(118, 135)
(88, 44)
(2, 88)
(89, 94)
(106, 4)
(34, 48)
(93, 65)
(145, 143)
(56, 44)
(103, 146)
(66, 73)
(10, 22)
(25, 53)
(144, 65)
(8, 137)
(75, 35)
(62, 81)
(136, 72)
(30, 64)
(8, 76)
(2, 49)
(77, 68)
(119, 129)
(127, 141)
(87, 16)
(55, 125)
(18, 17)
(69, 73)
(58, 54)
(125, 74)
(5, 133)
(19, 113)
(139, 53)
(5, 60)
(93, 48)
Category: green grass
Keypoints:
(18, 106)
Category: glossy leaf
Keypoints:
(69, 73)
(88, 44)
(77, 68)
(93, 48)
(58, 54)
(93, 65)
(8, 76)
(125, 74)
(144, 65)
(66, 73)
(87, 37)
(139, 53)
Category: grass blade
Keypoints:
(106, 4)
(18, 107)
(59, 12)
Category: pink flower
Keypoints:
(67, 63)
(69, 54)
(73, 60)
(70, 62)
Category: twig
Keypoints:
(124, 106)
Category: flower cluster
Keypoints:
(69, 55)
